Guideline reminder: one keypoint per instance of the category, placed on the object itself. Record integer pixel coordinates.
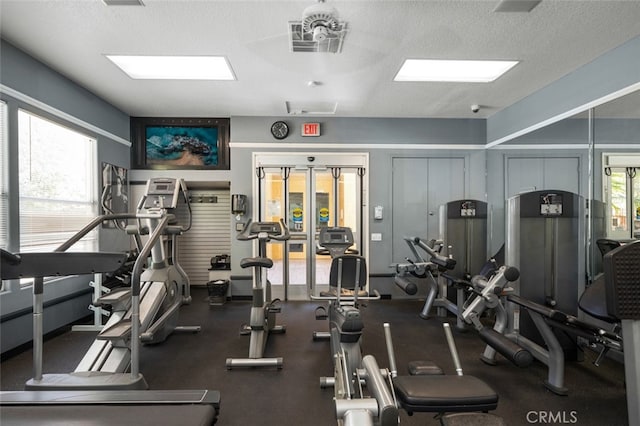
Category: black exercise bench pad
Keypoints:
(444, 393)
(424, 368)
(472, 419)
(594, 301)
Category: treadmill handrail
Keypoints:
(89, 227)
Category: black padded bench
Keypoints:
(444, 394)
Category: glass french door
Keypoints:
(308, 195)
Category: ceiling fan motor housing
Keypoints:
(321, 17)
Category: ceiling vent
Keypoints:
(311, 108)
(320, 30)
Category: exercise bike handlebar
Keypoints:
(90, 226)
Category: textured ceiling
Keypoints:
(551, 41)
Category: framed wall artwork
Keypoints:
(180, 143)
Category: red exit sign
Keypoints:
(311, 129)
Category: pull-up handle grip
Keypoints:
(390, 352)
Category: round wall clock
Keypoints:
(279, 130)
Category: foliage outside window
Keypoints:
(56, 180)
(622, 195)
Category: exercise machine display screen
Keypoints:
(467, 209)
(163, 193)
(551, 205)
(272, 228)
(336, 235)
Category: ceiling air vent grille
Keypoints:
(304, 41)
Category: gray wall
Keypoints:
(27, 83)
(383, 140)
(607, 74)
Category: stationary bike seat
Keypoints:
(250, 262)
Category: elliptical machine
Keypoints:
(146, 312)
(263, 308)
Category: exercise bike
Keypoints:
(263, 308)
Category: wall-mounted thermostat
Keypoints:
(377, 212)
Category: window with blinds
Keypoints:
(57, 181)
(622, 194)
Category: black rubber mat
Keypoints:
(292, 396)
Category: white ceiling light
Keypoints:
(174, 67)
(452, 70)
(123, 2)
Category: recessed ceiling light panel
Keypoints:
(123, 2)
(468, 71)
(174, 67)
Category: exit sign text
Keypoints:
(311, 129)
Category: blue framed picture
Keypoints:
(181, 143)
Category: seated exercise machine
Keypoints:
(347, 286)
(458, 399)
(364, 393)
(370, 395)
(263, 308)
(347, 281)
(147, 312)
(428, 269)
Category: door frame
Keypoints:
(309, 160)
